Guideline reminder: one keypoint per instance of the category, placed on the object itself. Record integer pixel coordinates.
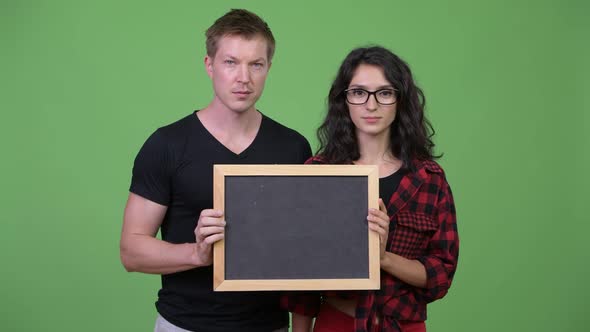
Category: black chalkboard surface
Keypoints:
(296, 227)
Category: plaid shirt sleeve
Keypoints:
(425, 229)
(443, 250)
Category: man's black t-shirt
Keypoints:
(175, 168)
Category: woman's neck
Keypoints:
(376, 150)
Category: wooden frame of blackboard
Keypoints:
(370, 280)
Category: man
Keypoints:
(172, 186)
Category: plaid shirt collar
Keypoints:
(411, 183)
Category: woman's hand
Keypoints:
(379, 222)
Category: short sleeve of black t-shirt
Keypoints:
(152, 170)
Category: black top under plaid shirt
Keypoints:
(423, 228)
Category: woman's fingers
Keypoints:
(378, 217)
(379, 220)
(382, 206)
(377, 228)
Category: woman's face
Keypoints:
(371, 118)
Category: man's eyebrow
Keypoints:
(261, 59)
(231, 57)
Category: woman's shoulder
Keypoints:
(428, 166)
(431, 172)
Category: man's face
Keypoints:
(238, 71)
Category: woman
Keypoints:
(376, 117)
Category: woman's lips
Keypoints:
(371, 119)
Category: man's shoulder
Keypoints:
(171, 137)
(280, 130)
(177, 126)
(177, 130)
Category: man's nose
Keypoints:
(244, 74)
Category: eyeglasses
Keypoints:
(358, 96)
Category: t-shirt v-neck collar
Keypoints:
(244, 152)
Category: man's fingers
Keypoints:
(211, 213)
(211, 221)
(207, 231)
(214, 238)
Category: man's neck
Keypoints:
(235, 130)
(219, 118)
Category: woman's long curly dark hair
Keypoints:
(411, 132)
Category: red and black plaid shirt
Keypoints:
(423, 217)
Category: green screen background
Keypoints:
(83, 84)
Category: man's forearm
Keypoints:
(143, 253)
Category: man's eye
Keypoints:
(229, 62)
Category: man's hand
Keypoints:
(210, 229)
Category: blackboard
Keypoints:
(296, 227)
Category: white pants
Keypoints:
(162, 325)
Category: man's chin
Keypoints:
(242, 107)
